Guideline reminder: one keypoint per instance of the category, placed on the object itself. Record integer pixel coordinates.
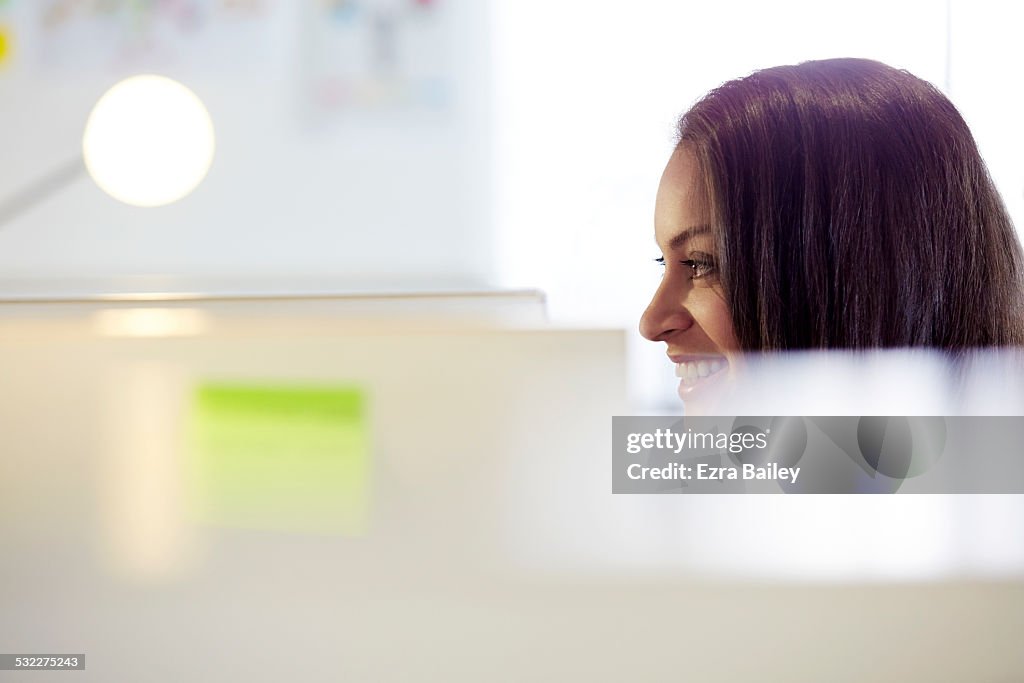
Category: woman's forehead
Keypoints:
(679, 212)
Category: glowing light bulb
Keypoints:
(149, 141)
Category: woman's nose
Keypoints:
(665, 315)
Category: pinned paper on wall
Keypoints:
(6, 44)
(129, 35)
(377, 55)
(6, 34)
(280, 457)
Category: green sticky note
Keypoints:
(288, 458)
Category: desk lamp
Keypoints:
(148, 141)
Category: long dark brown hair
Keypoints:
(853, 211)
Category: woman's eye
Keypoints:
(702, 266)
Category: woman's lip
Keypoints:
(699, 372)
(704, 385)
(696, 357)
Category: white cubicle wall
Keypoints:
(481, 535)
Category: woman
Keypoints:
(832, 204)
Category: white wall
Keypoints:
(389, 201)
(986, 55)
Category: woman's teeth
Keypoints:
(691, 371)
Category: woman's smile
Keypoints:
(696, 372)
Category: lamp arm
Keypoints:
(41, 189)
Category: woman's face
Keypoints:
(688, 311)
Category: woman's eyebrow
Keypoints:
(686, 235)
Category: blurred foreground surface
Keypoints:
(307, 490)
